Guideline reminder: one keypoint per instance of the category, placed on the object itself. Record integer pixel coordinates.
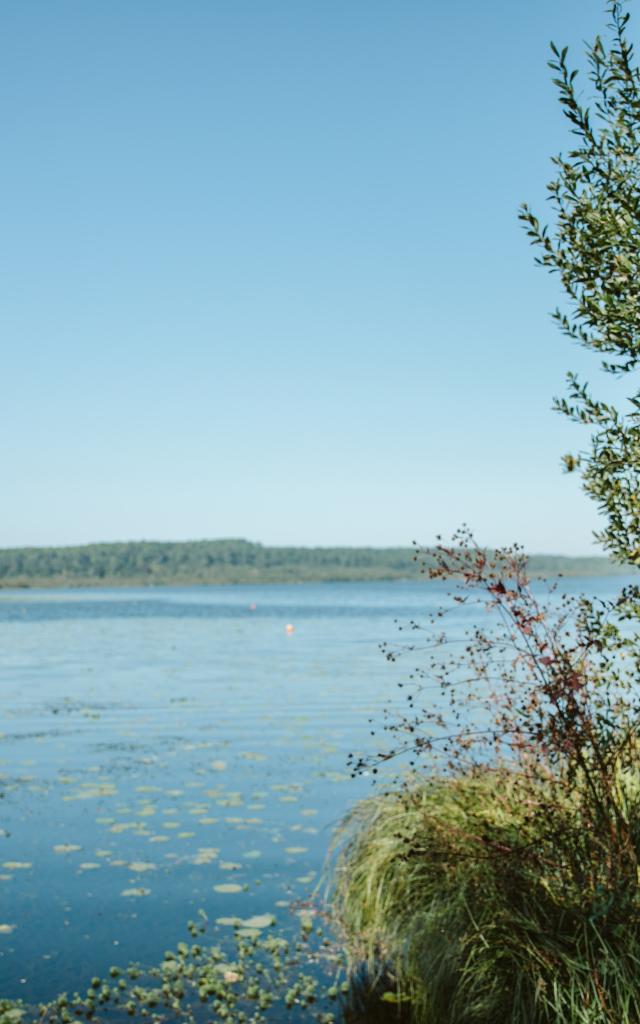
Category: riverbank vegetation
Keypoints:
(500, 882)
(157, 563)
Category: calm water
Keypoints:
(160, 743)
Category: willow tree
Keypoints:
(594, 247)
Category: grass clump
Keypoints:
(481, 914)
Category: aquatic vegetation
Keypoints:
(257, 978)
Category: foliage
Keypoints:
(538, 681)
(224, 561)
(595, 249)
(262, 977)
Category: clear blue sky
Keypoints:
(261, 273)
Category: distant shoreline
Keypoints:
(224, 562)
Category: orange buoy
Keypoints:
(289, 628)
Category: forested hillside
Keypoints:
(228, 561)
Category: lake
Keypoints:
(176, 750)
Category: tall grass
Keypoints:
(484, 916)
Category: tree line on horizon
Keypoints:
(233, 561)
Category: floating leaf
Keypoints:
(259, 921)
(206, 854)
(13, 1016)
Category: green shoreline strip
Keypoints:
(159, 563)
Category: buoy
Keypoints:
(289, 628)
(252, 606)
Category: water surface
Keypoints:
(165, 751)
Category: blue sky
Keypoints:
(261, 272)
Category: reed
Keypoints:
(485, 916)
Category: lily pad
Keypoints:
(259, 921)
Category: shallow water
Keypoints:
(165, 751)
